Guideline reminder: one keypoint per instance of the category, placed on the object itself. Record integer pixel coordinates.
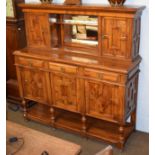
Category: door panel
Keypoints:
(101, 100)
(115, 37)
(34, 85)
(37, 29)
(65, 91)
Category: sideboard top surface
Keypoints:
(85, 7)
(80, 60)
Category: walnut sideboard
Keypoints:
(81, 67)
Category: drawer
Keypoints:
(101, 75)
(30, 62)
(63, 68)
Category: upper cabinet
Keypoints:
(75, 33)
(101, 31)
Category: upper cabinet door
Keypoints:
(116, 37)
(37, 30)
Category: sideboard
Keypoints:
(81, 67)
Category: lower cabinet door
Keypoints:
(65, 92)
(34, 85)
(102, 100)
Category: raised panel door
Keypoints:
(37, 29)
(116, 35)
(102, 100)
(65, 90)
(34, 85)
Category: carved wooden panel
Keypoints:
(34, 85)
(102, 100)
(136, 37)
(65, 91)
(37, 29)
(131, 95)
(115, 37)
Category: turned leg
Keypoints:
(83, 124)
(121, 137)
(133, 119)
(24, 108)
(52, 116)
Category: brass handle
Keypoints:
(30, 63)
(70, 103)
(100, 76)
(62, 69)
(104, 36)
(123, 38)
(21, 65)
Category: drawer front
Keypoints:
(30, 62)
(62, 68)
(102, 75)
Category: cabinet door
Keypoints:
(65, 90)
(37, 29)
(102, 100)
(34, 85)
(116, 35)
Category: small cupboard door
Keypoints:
(34, 85)
(102, 100)
(37, 30)
(116, 37)
(65, 90)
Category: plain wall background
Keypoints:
(143, 93)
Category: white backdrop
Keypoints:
(143, 95)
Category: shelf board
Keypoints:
(103, 130)
(40, 112)
(71, 121)
(80, 24)
(68, 120)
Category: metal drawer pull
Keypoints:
(62, 69)
(104, 36)
(30, 63)
(70, 103)
(124, 37)
(100, 76)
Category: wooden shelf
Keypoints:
(96, 128)
(103, 130)
(68, 120)
(40, 113)
(80, 24)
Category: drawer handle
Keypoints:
(104, 36)
(30, 64)
(100, 76)
(62, 69)
(123, 38)
(21, 65)
(70, 103)
(25, 81)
